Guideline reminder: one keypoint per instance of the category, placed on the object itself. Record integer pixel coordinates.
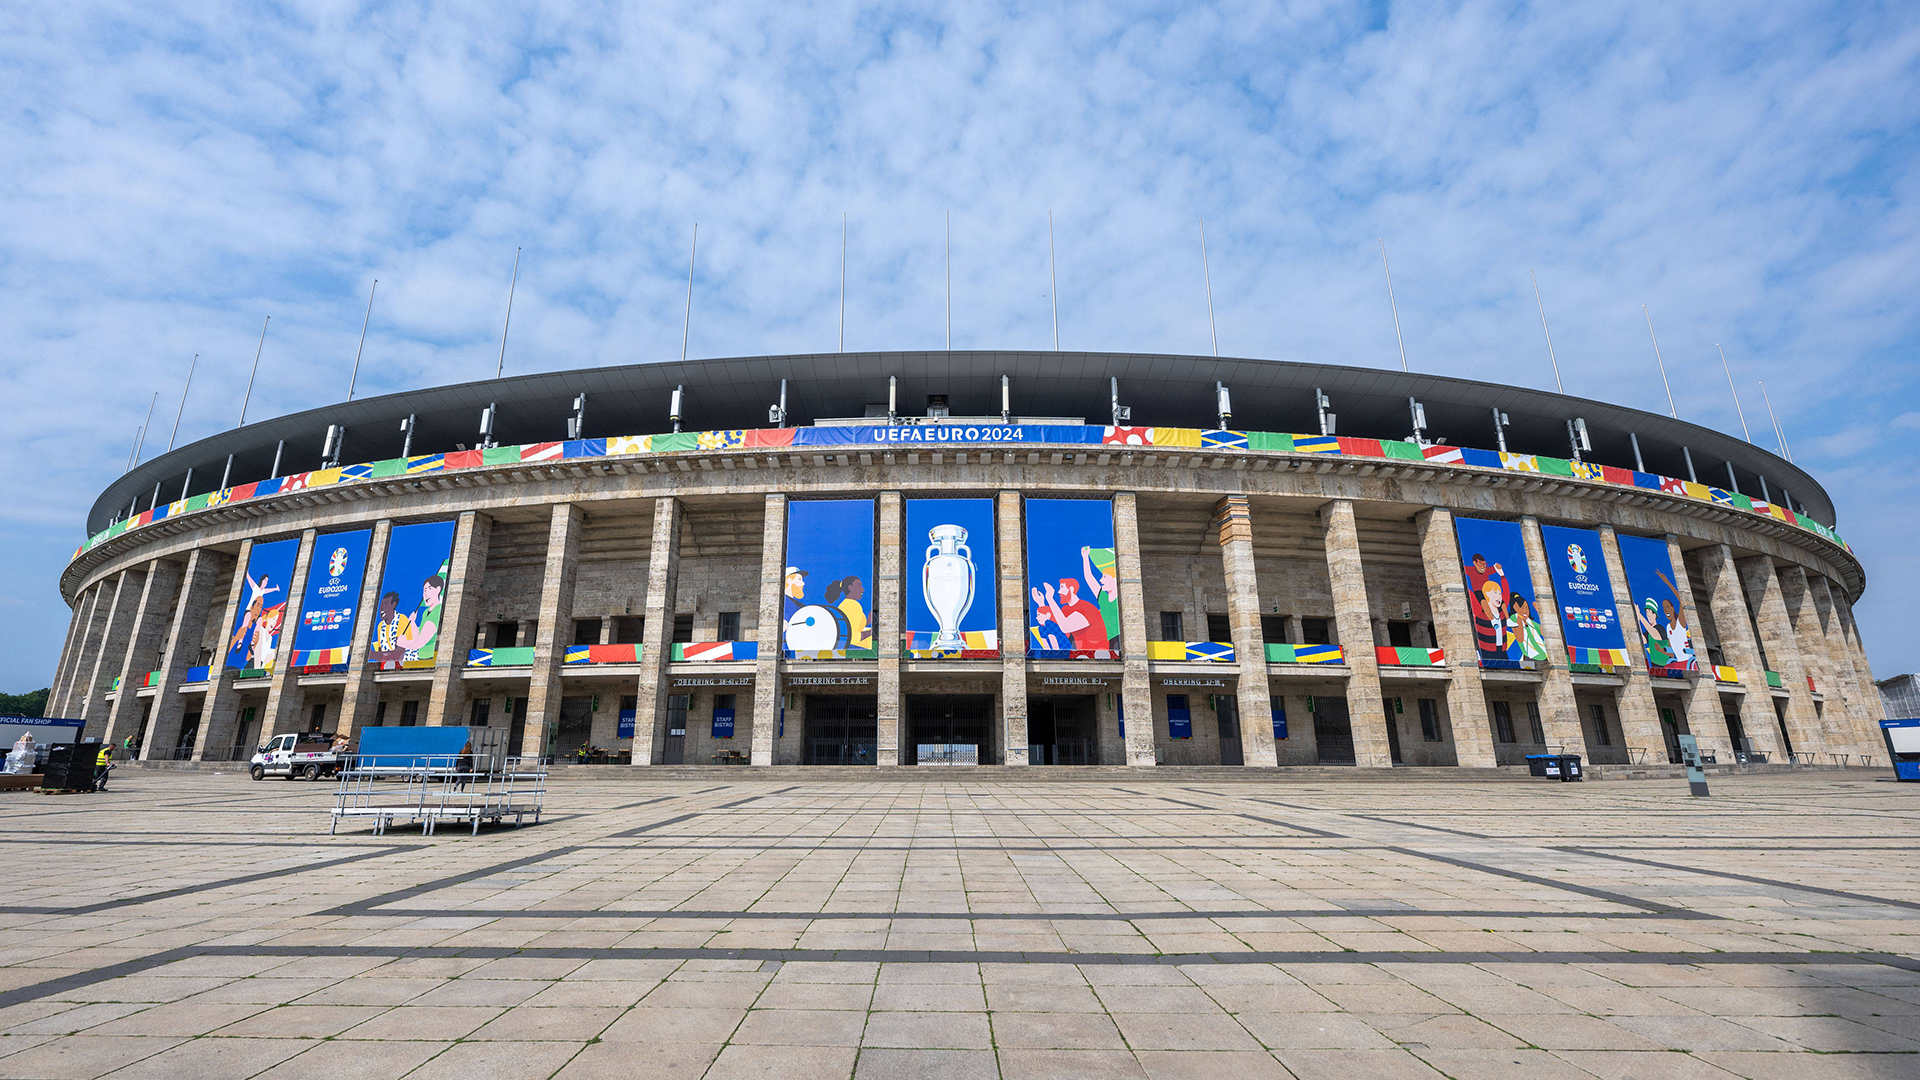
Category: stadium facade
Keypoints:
(977, 557)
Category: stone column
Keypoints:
(544, 688)
(1366, 707)
(1559, 713)
(360, 697)
(1844, 697)
(663, 590)
(886, 628)
(221, 710)
(68, 691)
(1816, 663)
(1731, 618)
(466, 579)
(1136, 686)
(1453, 628)
(766, 669)
(1762, 586)
(284, 696)
(1011, 538)
(1871, 710)
(111, 651)
(1701, 702)
(1234, 517)
(202, 580)
(76, 630)
(147, 638)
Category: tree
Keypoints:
(29, 704)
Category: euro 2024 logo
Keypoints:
(337, 562)
(1578, 557)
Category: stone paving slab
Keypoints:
(198, 925)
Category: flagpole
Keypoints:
(949, 281)
(1543, 327)
(501, 367)
(1394, 304)
(1672, 410)
(1779, 433)
(1207, 270)
(183, 401)
(842, 347)
(686, 329)
(1053, 278)
(1736, 393)
(355, 377)
(256, 370)
(142, 444)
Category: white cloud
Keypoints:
(1746, 173)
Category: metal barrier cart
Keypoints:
(391, 780)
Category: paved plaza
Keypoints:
(198, 925)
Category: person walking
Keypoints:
(102, 765)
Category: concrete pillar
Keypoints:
(766, 670)
(556, 618)
(1136, 687)
(466, 580)
(663, 589)
(1559, 712)
(1011, 536)
(1453, 628)
(284, 696)
(887, 623)
(111, 650)
(1731, 618)
(76, 631)
(1706, 720)
(1816, 663)
(146, 639)
(203, 578)
(1761, 583)
(1352, 617)
(221, 710)
(360, 697)
(1845, 697)
(67, 693)
(1871, 710)
(1234, 517)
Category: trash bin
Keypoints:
(1570, 768)
(1547, 765)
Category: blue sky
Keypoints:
(1746, 171)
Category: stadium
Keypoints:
(977, 559)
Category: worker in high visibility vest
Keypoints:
(101, 765)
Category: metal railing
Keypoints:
(427, 790)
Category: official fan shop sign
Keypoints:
(1588, 613)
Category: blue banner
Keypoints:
(413, 590)
(723, 723)
(1589, 614)
(828, 607)
(256, 627)
(1279, 722)
(1658, 606)
(1073, 590)
(1500, 597)
(948, 560)
(1179, 717)
(626, 724)
(333, 592)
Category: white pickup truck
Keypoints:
(308, 756)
